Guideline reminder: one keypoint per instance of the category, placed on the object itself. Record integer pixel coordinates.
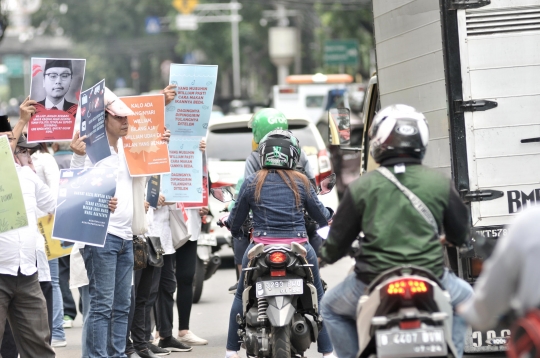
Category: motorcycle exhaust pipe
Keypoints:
(300, 333)
(213, 265)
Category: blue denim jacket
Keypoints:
(276, 215)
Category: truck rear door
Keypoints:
(500, 62)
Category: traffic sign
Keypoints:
(152, 25)
(186, 22)
(341, 52)
(185, 6)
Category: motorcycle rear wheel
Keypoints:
(281, 342)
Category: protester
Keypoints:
(62, 155)
(110, 268)
(508, 279)
(47, 170)
(21, 298)
(138, 346)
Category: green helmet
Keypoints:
(265, 121)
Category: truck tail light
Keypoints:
(476, 267)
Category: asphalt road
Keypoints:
(209, 317)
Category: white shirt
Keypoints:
(59, 105)
(120, 220)
(18, 247)
(158, 225)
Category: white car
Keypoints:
(229, 144)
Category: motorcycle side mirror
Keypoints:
(327, 184)
(339, 126)
(222, 194)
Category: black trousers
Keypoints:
(165, 297)
(186, 261)
(139, 312)
(70, 309)
(23, 305)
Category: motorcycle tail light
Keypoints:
(277, 257)
(410, 324)
(407, 287)
(278, 273)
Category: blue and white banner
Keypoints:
(82, 214)
(189, 113)
(185, 183)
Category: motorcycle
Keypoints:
(406, 312)
(280, 308)
(207, 260)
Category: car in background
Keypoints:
(229, 144)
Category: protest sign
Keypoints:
(146, 154)
(53, 248)
(184, 184)
(82, 214)
(12, 209)
(93, 123)
(189, 113)
(56, 85)
(204, 201)
(152, 191)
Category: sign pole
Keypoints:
(235, 51)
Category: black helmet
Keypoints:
(398, 130)
(279, 149)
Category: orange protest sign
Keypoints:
(146, 154)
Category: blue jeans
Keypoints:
(58, 304)
(85, 297)
(339, 312)
(110, 271)
(324, 344)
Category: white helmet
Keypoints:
(398, 131)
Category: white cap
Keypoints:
(115, 105)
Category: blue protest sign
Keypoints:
(82, 214)
(189, 113)
(93, 123)
(185, 183)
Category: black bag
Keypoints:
(140, 253)
(155, 251)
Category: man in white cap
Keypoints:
(110, 268)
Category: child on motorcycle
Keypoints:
(276, 196)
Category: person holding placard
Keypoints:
(110, 268)
(21, 299)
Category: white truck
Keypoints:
(473, 68)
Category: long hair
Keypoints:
(289, 177)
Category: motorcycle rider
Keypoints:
(276, 195)
(508, 282)
(261, 123)
(395, 233)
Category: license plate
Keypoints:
(425, 342)
(207, 239)
(279, 287)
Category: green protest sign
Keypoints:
(12, 209)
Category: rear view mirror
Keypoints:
(339, 123)
(222, 194)
(327, 184)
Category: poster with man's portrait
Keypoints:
(56, 86)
